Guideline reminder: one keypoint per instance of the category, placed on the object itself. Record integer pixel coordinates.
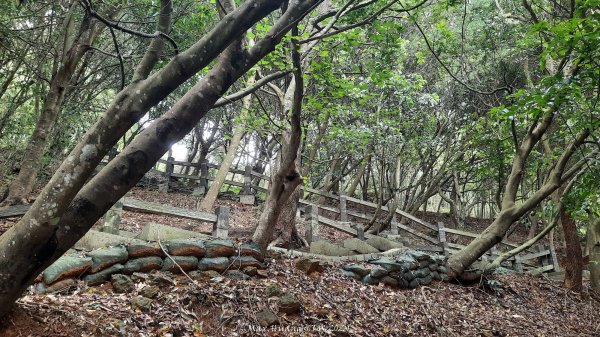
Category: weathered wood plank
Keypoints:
(460, 232)
(419, 234)
(156, 208)
(535, 255)
(399, 212)
(13, 211)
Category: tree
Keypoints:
(67, 207)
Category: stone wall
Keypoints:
(406, 270)
(176, 256)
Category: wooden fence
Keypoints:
(336, 214)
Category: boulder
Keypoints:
(251, 249)
(219, 248)
(105, 257)
(357, 269)
(94, 239)
(329, 249)
(289, 304)
(143, 265)
(155, 232)
(67, 267)
(383, 244)
(186, 247)
(104, 275)
(241, 262)
(213, 263)
(173, 263)
(309, 266)
(359, 246)
(136, 250)
(122, 283)
(266, 318)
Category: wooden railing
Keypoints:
(429, 237)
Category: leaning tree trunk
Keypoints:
(35, 242)
(510, 211)
(211, 196)
(22, 185)
(288, 177)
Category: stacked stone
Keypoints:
(98, 266)
(408, 270)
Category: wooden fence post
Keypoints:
(246, 196)
(343, 207)
(164, 187)
(517, 264)
(311, 227)
(360, 230)
(394, 225)
(554, 259)
(112, 218)
(221, 227)
(442, 238)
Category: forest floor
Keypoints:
(332, 305)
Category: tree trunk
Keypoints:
(209, 199)
(20, 188)
(50, 227)
(593, 247)
(574, 265)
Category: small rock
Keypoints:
(357, 269)
(423, 272)
(67, 267)
(103, 276)
(273, 290)
(210, 274)
(161, 279)
(409, 275)
(387, 263)
(250, 271)
(289, 304)
(137, 250)
(186, 247)
(105, 257)
(425, 280)
(266, 318)
(378, 272)
(390, 281)
(436, 276)
(236, 275)
(240, 262)
(122, 283)
(141, 302)
(442, 269)
(219, 248)
(309, 266)
(143, 265)
(370, 280)
(251, 249)
(433, 266)
(351, 275)
(419, 256)
(184, 262)
(150, 291)
(139, 277)
(60, 286)
(213, 263)
(414, 283)
(261, 273)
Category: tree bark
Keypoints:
(574, 265)
(593, 247)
